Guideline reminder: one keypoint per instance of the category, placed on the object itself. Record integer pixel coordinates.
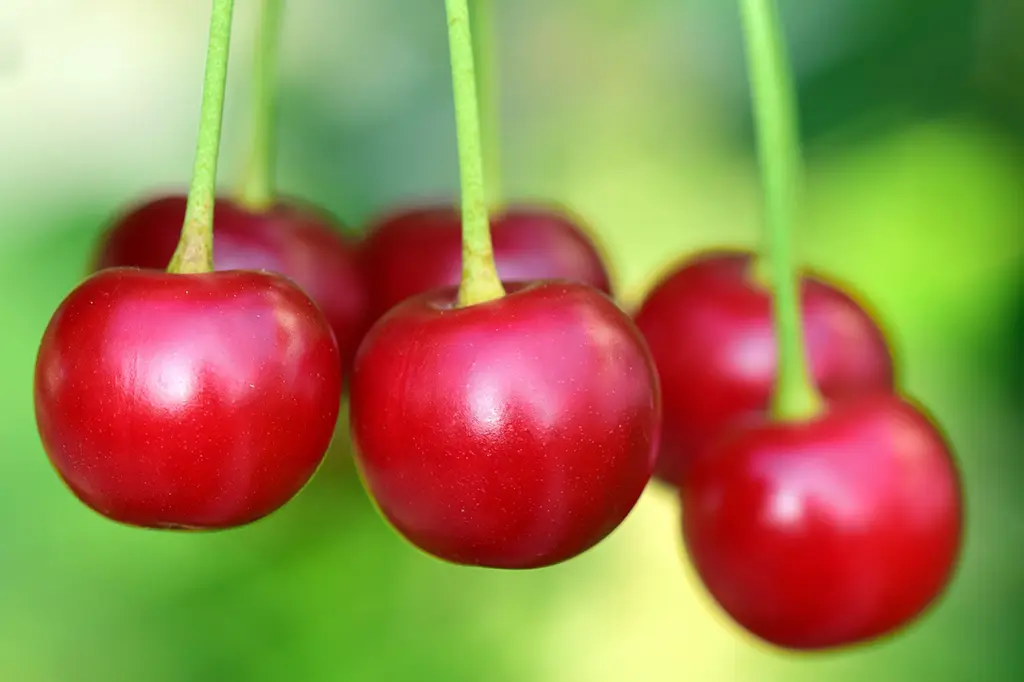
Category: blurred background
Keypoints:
(634, 114)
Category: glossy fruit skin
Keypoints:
(831, 532)
(415, 250)
(514, 434)
(710, 330)
(186, 401)
(291, 239)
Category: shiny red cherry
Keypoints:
(516, 433)
(186, 401)
(710, 330)
(419, 249)
(291, 239)
(830, 532)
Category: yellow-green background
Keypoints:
(633, 113)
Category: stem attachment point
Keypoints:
(258, 191)
(480, 282)
(194, 253)
(774, 104)
(485, 52)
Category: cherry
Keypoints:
(506, 426)
(418, 249)
(828, 532)
(709, 325)
(830, 515)
(199, 401)
(188, 398)
(514, 433)
(288, 238)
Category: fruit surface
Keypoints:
(710, 329)
(830, 532)
(419, 249)
(516, 433)
(291, 239)
(186, 401)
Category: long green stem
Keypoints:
(774, 104)
(480, 281)
(485, 53)
(195, 248)
(257, 192)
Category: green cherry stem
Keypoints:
(486, 56)
(774, 104)
(480, 282)
(195, 248)
(257, 193)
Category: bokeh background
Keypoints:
(634, 114)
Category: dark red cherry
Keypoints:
(516, 433)
(830, 532)
(291, 239)
(419, 249)
(709, 327)
(186, 401)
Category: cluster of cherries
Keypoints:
(510, 427)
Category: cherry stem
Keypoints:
(487, 87)
(480, 282)
(195, 248)
(257, 192)
(774, 104)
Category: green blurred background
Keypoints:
(632, 112)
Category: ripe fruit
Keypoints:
(829, 532)
(420, 249)
(291, 239)
(186, 401)
(515, 433)
(710, 329)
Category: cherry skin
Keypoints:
(710, 329)
(415, 250)
(830, 532)
(186, 401)
(516, 433)
(290, 239)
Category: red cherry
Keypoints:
(516, 433)
(710, 329)
(186, 401)
(830, 532)
(419, 249)
(291, 239)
